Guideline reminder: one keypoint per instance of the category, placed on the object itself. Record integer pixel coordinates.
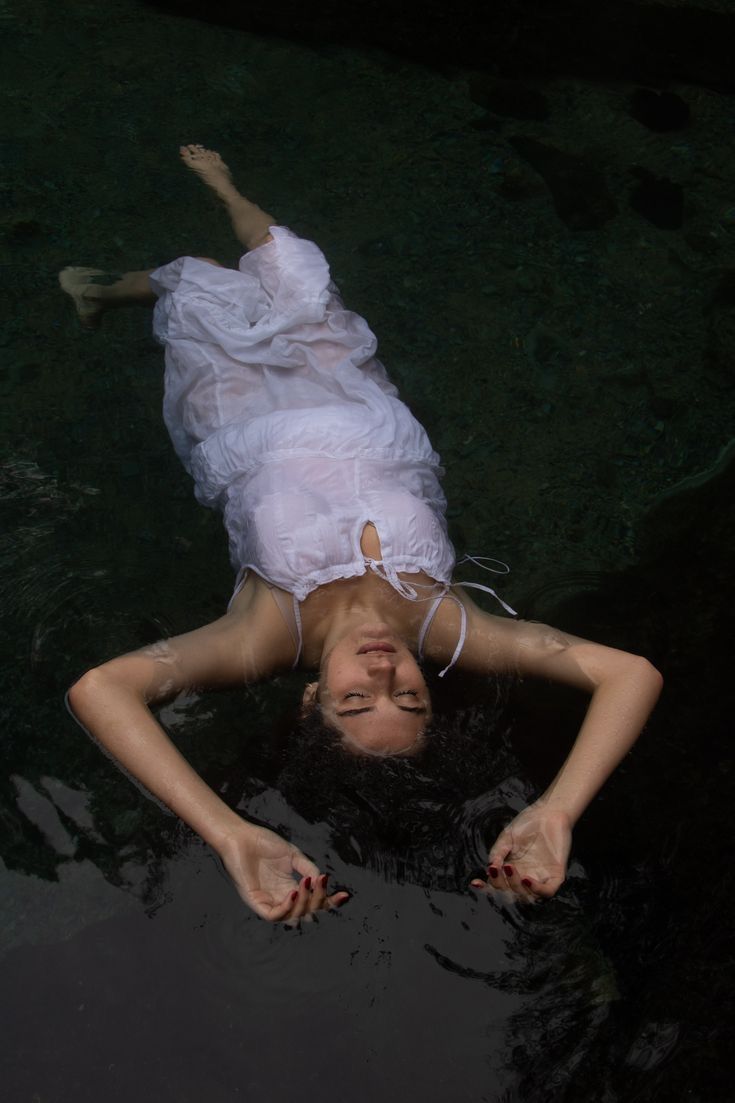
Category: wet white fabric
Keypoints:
(280, 411)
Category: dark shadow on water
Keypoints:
(657, 843)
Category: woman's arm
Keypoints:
(530, 855)
(112, 703)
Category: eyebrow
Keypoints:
(371, 708)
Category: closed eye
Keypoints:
(419, 709)
(371, 708)
(401, 693)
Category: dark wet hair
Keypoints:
(406, 811)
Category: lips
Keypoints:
(376, 645)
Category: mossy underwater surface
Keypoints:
(550, 276)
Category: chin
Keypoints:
(375, 629)
(373, 751)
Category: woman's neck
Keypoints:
(334, 610)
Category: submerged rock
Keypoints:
(693, 499)
(719, 354)
(620, 39)
(657, 199)
(509, 97)
(578, 188)
(720, 350)
(724, 292)
(659, 111)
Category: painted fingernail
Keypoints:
(342, 901)
(493, 872)
(528, 884)
(307, 884)
(508, 871)
(294, 895)
(324, 878)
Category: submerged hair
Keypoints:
(410, 813)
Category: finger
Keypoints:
(543, 887)
(494, 872)
(531, 888)
(509, 888)
(297, 902)
(499, 853)
(276, 913)
(304, 865)
(302, 899)
(500, 875)
(319, 892)
(511, 879)
(525, 891)
(499, 885)
(290, 919)
(493, 890)
(337, 899)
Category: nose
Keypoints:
(381, 666)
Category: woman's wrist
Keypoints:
(233, 834)
(551, 803)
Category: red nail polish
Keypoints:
(493, 872)
(342, 901)
(307, 883)
(324, 878)
(528, 884)
(294, 895)
(508, 871)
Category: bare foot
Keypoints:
(251, 225)
(208, 164)
(78, 282)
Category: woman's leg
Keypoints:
(250, 223)
(92, 299)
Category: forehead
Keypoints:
(371, 733)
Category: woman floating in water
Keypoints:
(279, 410)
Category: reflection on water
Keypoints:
(436, 988)
(431, 992)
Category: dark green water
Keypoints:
(572, 360)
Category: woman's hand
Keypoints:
(529, 858)
(273, 877)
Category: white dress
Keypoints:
(278, 408)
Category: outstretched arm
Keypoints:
(530, 856)
(112, 703)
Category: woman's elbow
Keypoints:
(84, 690)
(648, 674)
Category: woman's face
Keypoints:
(372, 691)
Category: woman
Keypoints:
(329, 487)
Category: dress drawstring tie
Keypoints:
(411, 592)
(389, 573)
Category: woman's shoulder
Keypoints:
(452, 631)
(257, 613)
